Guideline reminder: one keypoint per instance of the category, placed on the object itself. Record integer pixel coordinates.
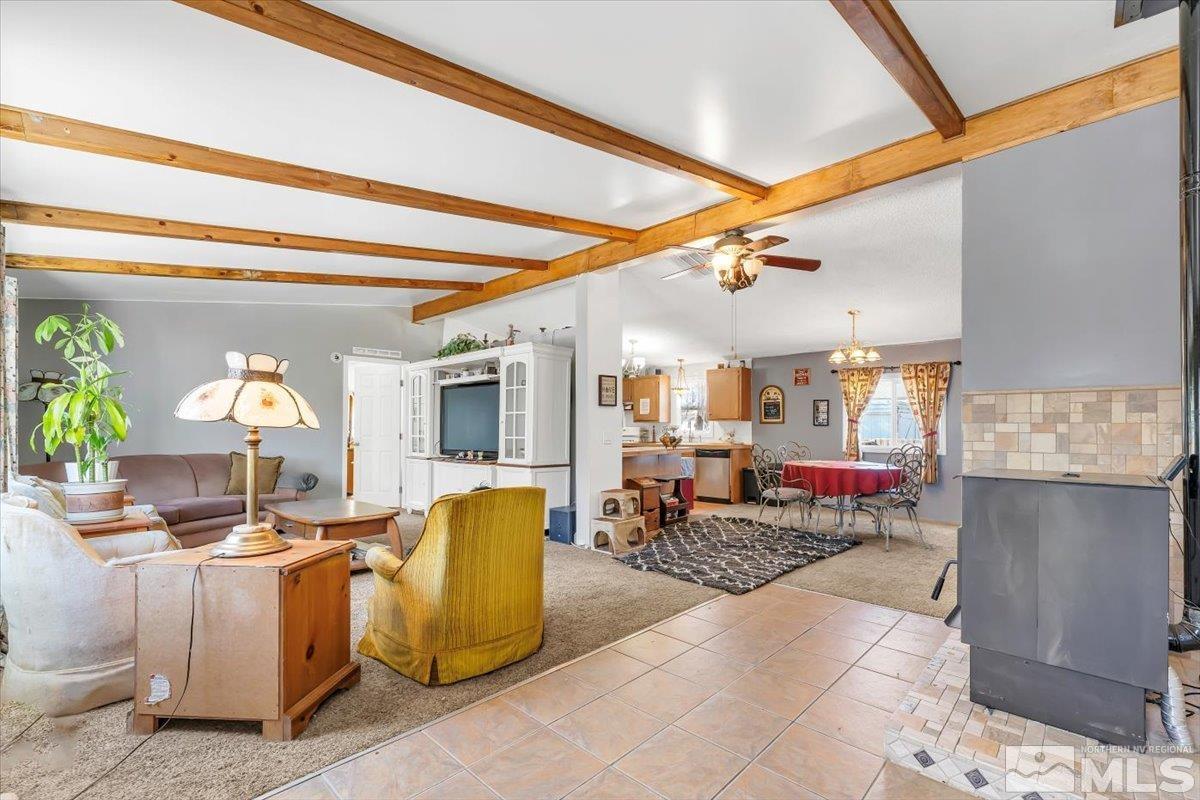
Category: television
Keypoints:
(470, 418)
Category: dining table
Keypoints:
(841, 480)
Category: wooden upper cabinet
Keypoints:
(651, 398)
(729, 394)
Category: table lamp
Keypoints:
(252, 394)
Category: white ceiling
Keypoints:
(803, 93)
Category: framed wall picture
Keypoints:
(608, 390)
(770, 405)
(821, 413)
(800, 376)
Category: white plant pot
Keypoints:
(102, 501)
(73, 470)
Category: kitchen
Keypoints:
(696, 421)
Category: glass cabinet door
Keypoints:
(515, 432)
(418, 413)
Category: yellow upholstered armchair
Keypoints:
(468, 599)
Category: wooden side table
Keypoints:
(336, 519)
(272, 636)
(133, 521)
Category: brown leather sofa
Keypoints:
(189, 491)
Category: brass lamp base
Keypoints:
(250, 540)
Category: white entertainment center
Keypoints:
(533, 444)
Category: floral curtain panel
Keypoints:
(926, 385)
(857, 387)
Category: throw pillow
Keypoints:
(45, 499)
(268, 473)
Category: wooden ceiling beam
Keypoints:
(108, 267)
(1131, 86)
(331, 35)
(78, 219)
(879, 26)
(73, 134)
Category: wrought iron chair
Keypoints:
(794, 451)
(768, 473)
(910, 458)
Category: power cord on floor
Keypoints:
(187, 675)
(23, 731)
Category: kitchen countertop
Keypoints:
(655, 448)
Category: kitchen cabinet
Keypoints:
(651, 398)
(729, 394)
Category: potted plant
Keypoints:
(87, 414)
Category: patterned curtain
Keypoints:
(857, 387)
(926, 385)
(8, 372)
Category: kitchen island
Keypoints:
(656, 461)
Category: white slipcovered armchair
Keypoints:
(70, 608)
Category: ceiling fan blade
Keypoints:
(690, 249)
(788, 262)
(672, 276)
(765, 242)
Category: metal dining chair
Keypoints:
(794, 451)
(910, 459)
(768, 473)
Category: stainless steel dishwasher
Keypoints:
(712, 475)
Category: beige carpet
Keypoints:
(591, 600)
(901, 578)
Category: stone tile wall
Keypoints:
(1123, 430)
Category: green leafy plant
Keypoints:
(462, 343)
(88, 414)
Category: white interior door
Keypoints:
(375, 431)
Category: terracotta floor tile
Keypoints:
(872, 688)
(867, 612)
(831, 645)
(796, 612)
(722, 613)
(774, 626)
(734, 724)
(460, 786)
(663, 695)
(893, 663)
(747, 645)
(752, 600)
(895, 782)
(680, 766)
(542, 766)
(652, 648)
(933, 627)
(400, 769)
(853, 722)
(612, 785)
(480, 731)
(687, 628)
(552, 696)
(607, 669)
(702, 666)
(822, 764)
(314, 788)
(914, 643)
(801, 665)
(776, 693)
(859, 629)
(819, 603)
(758, 783)
(607, 728)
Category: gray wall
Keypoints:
(172, 347)
(1071, 258)
(940, 501)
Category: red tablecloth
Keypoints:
(842, 478)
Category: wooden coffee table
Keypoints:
(336, 519)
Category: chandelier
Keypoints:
(734, 270)
(856, 352)
(680, 387)
(632, 366)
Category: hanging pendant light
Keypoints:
(854, 353)
(680, 386)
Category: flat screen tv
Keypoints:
(471, 418)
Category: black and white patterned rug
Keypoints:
(732, 553)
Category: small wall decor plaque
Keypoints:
(800, 376)
(770, 405)
(821, 413)
(608, 390)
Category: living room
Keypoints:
(388, 415)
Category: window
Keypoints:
(691, 406)
(888, 421)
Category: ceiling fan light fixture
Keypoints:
(753, 266)
(732, 243)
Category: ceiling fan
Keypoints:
(736, 262)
